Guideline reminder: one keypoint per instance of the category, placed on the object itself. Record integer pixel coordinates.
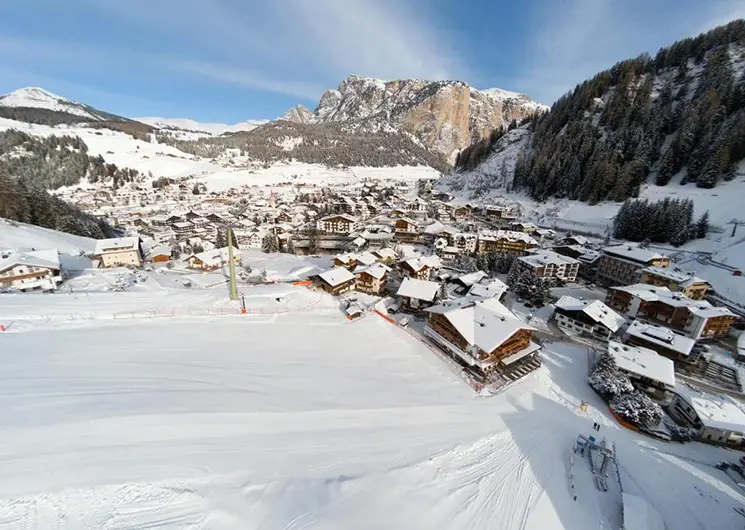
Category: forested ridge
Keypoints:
(55, 161)
(331, 144)
(28, 202)
(645, 119)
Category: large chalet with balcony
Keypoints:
(33, 270)
(340, 224)
(483, 336)
(505, 242)
(697, 319)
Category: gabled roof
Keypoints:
(345, 216)
(217, 256)
(366, 258)
(508, 235)
(418, 289)
(48, 259)
(596, 310)
(643, 362)
(336, 276)
(471, 278)
(118, 244)
(493, 288)
(384, 253)
(482, 322)
(376, 270)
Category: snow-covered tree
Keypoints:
(637, 407)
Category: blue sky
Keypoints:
(232, 60)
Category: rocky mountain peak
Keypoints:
(298, 114)
(444, 116)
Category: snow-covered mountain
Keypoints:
(38, 98)
(214, 129)
(444, 116)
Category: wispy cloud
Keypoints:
(290, 46)
(575, 39)
(247, 78)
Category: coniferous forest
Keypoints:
(665, 221)
(648, 119)
(28, 202)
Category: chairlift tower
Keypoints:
(231, 267)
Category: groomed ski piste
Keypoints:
(164, 407)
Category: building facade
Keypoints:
(621, 264)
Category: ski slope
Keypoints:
(301, 419)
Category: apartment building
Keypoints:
(622, 264)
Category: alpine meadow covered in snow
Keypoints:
(414, 304)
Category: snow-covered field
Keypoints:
(302, 419)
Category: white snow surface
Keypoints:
(294, 417)
(305, 420)
(39, 98)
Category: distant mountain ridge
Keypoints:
(444, 116)
(187, 124)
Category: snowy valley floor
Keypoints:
(305, 420)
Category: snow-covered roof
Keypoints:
(347, 217)
(493, 288)
(336, 276)
(643, 362)
(579, 240)
(661, 336)
(359, 242)
(483, 322)
(117, 244)
(366, 258)
(472, 277)
(547, 257)
(437, 227)
(36, 258)
(509, 235)
(652, 293)
(418, 289)
(161, 250)
(345, 258)
(715, 411)
(216, 256)
(638, 514)
(376, 270)
(633, 253)
(596, 310)
(675, 274)
(384, 253)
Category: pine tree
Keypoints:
(702, 225)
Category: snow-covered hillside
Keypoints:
(38, 98)
(22, 235)
(723, 202)
(213, 129)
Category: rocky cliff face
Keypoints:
(443, 116)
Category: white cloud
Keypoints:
(247, 78)
(290, 46)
